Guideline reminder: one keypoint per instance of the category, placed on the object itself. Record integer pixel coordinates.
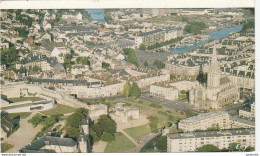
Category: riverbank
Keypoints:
(224, 32)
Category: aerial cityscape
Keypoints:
(127, 80)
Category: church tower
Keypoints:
(213, 78)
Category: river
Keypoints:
(215, 35)
(97, 15)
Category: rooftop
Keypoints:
(204, 116)
(232, 132)
(48, 140)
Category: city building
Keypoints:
(183, 70)
(216, 119)
(164, 91)
(248, 113)
(189, 142)
(237, 122)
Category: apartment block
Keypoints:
(189, 142)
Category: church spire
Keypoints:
(214, 64)
(213, 77)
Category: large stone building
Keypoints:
(158, 36)
(124, 113)
(83, 88)
(164, 91)
(183, 69)
(218, 91)
(218, 119)
(189, 142)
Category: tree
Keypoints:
(22, 69)
(72, 132)
(36, 68)
(105, 65)
(158, 64)
(36, 119)
(153, 123)
(208, 148)
(107, 137)
(126, 90)
(131, 57)
(78, 60)
(93, 135)
(126, 28)
(98, 129)
(142, 47)
(135, 90)
(107, 124)
(161, 144)
(145, 63)
(249, 149)
(85, 61)
(233, 147)
(74, 120)
(67, 61)
(202, 78)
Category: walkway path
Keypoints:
(152, 108)
(99, 147)
(129, 137)
(145, 140)
(23, 135)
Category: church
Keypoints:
(217, 92)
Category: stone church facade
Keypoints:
(217, 92)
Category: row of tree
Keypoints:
(161, 44)
(131, 90)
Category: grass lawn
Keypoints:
(138, 132)
(16, 106)
(139, 101)
(22, 115)
(163, 119)
(60, 109)
(17, 99)
(5, 147)
(141, 108)
(120, 144)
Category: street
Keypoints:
(169, 104)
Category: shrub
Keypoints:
(36, 119)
